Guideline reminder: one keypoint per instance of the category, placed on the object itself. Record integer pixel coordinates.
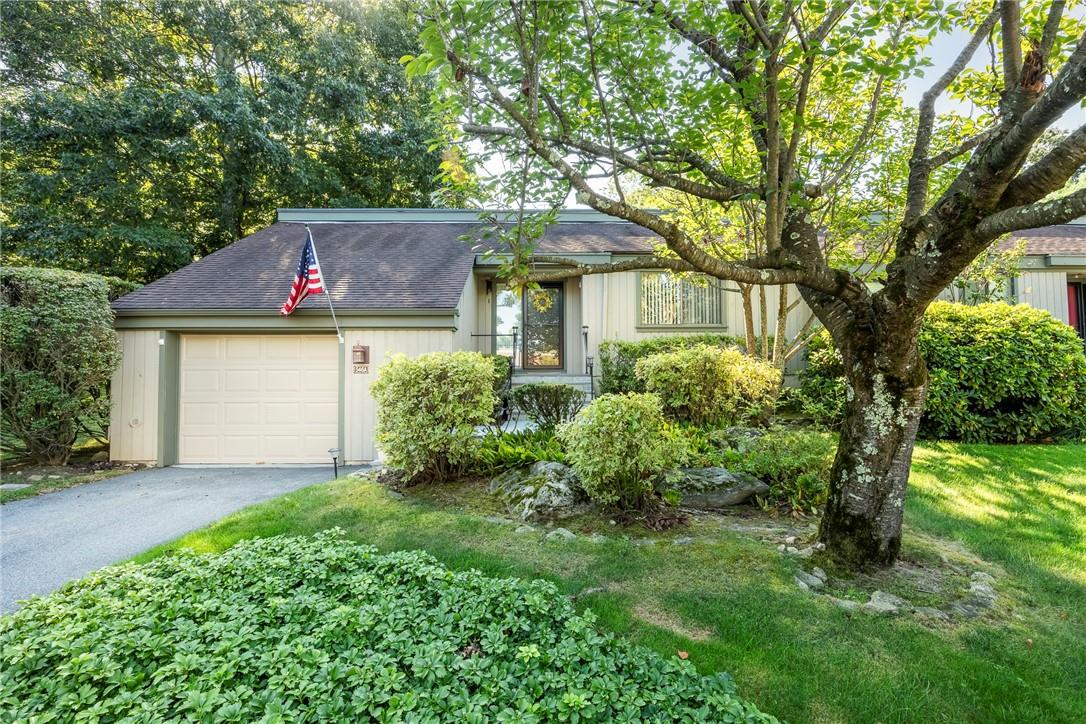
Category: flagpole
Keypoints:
(324, 283)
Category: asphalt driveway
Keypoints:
(54, 538)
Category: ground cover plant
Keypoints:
(297, 629)
(729, 600)
(999, 373)
(501, 451)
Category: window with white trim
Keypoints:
(666, 300)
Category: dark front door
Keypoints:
(544, 317)
(1076, 307)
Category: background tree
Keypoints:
(137, 134)
(715, 101)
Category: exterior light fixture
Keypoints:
(334, 452)
(360, 354)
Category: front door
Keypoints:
(544, 322)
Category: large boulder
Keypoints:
(710, 488)
(545, 491)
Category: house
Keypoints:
(212, 374)
(1052, 273)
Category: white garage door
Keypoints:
(258, 398)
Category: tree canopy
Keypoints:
(792, 109)
(139, 134)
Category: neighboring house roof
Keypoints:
(375, 260)
(1062, 239)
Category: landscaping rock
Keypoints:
(561, 534)
(597, 538)
(802, 586)
(396, 495)
(36, 478)
(931, 613)
(100, 457)
(885, 604)
(497, 519)
(14, 486)
(805, 552)
(711, 488)
(809, 580)
(845, 603)
(521, 529)
(743, 438)
(547, 490)
(980, 598)
(790, 540)
(643, 542)
(684, 541)
(819, 574)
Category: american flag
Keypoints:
(307, 280)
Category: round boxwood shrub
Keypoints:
(707, 385)
(59, 351)
(428, 408)
(999, 373)
(618, 447)
(548, 404)
(321, 629)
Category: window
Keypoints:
(670, 301)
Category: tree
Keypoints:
(138, 134)
(735, 102)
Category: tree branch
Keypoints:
(1052, 28)
(1010, 25)
(572, 269)
(964, 147)
(1049, 174)
(1042, 213)
(919, 171)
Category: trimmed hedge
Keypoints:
(619, 446)
(548, 404)
(707, 385)
(618, 358)
(58, 353)
(428, 408)
(999, 373)
(321, 629)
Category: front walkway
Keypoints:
(48, 540)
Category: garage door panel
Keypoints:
(278, 381)
(242, 381)
(199, 382)
(241, 413)
(258, 399)
(201, 348)
(200, 413)
(242, 348)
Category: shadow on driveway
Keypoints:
(51, 539)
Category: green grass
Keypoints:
(64, 479)
(730, 602)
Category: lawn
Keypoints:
(729, 601)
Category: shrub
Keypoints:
(794, 462)
(498, 452)
(58, 354)
(548, 405)
(999, 373)
(618, 447)
(709, 385)
(428, 409)
(321, 629)
(618, 358)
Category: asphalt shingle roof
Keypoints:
(1059, 239)
(379, 266)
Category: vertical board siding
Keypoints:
(1044, 290)
(360, 417)
(467, 314)
(133, 422)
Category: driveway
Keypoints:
(54, 538)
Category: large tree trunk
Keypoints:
(887, 381)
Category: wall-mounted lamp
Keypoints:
(360, 354)
(334, 452)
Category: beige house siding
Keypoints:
(1044, 290)
(133, 424)
(466, 315)
(360, 413)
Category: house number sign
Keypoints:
(360, 357)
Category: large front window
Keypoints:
(670, 301)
